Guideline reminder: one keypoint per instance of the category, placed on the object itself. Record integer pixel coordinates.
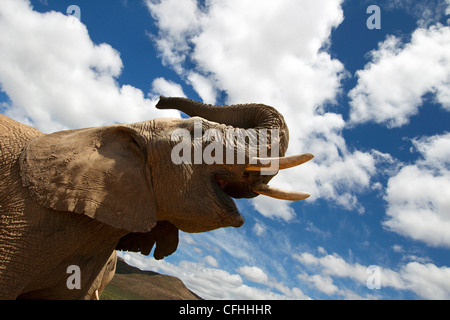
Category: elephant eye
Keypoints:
(134, 144)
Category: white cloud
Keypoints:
(57, 78)
(307, 258)
(259, 229)
(203, 87)
(322, 283)
(419, 195)
(254, 274)
(176, 20)
(334, 265)
(187, 238)
(339, 177)
(271, 208)
(390, 89)
(426, 280)
(167, 88)
(242, 49)
(211, 261)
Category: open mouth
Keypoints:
(236, 188)
(252, 183)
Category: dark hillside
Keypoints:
(131, 283)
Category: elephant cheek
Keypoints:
(209, 223)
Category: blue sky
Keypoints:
(371, 104)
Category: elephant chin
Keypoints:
(229, 219)
(217, 211)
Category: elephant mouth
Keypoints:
(235, 188)
(252, 183)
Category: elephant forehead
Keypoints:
(189, 124)
(169, 122)
(166, 125)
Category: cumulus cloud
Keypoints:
(254, 274)
(418, 196)
(391, 87)
(211, 261)
(167, 88)
(428, 281)
(240, 50)
(322, 283)
(57, 78)
(213, 283)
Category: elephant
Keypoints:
(73, 197)
(103, 278)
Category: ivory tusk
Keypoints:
(266, 190)
(96, 295)
(265, 164)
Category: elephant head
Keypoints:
(124, 175)
(214, 185)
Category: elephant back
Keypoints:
(13, 138)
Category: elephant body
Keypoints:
(32, 235)
(69, 199)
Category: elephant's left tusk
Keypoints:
(96, 295)
(266, 190)
(265, 164)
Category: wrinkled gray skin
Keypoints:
(74, 197)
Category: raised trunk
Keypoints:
(245, 116)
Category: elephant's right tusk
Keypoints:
(266, 190)
(265, 164)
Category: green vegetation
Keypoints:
(112, 292)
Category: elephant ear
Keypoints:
(100, 172)
(164, 234)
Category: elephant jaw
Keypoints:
(247, 187)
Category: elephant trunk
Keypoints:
(248, 116)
